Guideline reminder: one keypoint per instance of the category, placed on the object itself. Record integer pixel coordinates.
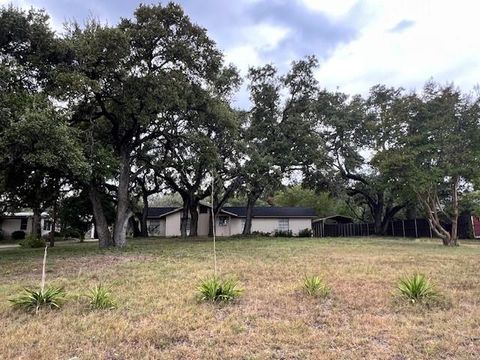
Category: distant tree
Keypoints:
(323, 202)
(125, 84)
(437, 160)
(278, 132)
(358, 132)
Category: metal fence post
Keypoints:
(393, 229)
(403, 227)
(416, 229)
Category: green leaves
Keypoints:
(34, 300)
(416, 288)
(219, 290)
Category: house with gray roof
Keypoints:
(165, 221)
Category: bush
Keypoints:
(71, 233)
(32, 241)
(34, 300)
(315, 286)
(100, 298)
(416, 288)
(18, 235)
(280, 233)
(217, 290)
(261, 233)
(305, 233)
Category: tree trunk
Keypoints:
(252, 199)
(143, 220)
(134, 224)
(101, 225)
(123, 212)
(36, 222)
(378, 227)
(54, 224)
(455, 213)
(184, 219)
(194, 218)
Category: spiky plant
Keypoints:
(316, 286)
(217, 290)
(101, 298)
(34, 300)
(416, 288)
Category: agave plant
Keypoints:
(217, 290)
(100, 297)
(315, 286)
(416, 288)
(33, 300)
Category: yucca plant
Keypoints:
(416, 288)
(217, 290)
(101, 298)
(33, 300)
(315, 286)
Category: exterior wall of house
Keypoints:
(156, 227)
(172, 225)
(8, 226)
(272, 224)
(203, 224)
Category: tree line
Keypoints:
(96, 120)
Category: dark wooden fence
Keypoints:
(413, 228)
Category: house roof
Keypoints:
(272, 211)
(23, 215)
(241, 211)
(336, 218)
(162, 211)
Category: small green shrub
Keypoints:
(71, 233)
(305, 233)
(261, 233)
(101, 298)
(281, 233)
(32, 241)
(218, 290)
(34, 300)
(315, 286)
(18, 235)
(416, 288)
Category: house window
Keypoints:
(203, 209)
(283, 225)
(222, 220)
(46, 225)
(23, 223)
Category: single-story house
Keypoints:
(23, 221)
(165, 221)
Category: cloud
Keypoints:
(442, 45)
(402, 25)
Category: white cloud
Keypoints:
(332, 8)
(442, 43)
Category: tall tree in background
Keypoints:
(438, 159)
(357, 132)
(124, 82)
(38, 150)
(278, 135)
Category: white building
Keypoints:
(23, 221)
(165, 221)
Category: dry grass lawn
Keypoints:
(158, 316)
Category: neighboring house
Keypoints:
(165, 221)
(23, 221)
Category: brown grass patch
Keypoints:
(154, 283)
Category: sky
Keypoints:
(359, 43)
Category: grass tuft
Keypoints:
(218, 290)
(315, 286)
(416, 288)
(100, 298)
(34, 300)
